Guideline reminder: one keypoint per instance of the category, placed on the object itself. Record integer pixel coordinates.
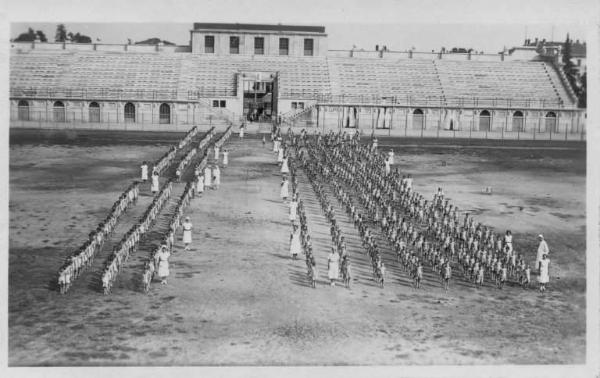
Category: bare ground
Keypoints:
(238, 299)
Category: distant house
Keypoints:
(155, 41)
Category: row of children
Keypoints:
(129, 242)
(188, 137)
(158, 260)
(76, 263)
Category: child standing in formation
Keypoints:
(225, 158)
(207, 178)
(216, 176)
(155, 184)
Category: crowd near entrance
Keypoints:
(259, 95)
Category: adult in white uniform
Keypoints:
(280, 155)
(163, 264)
(200, 184)
(225, 157)
(242, 131)
(508, 241)
(542, 250)
(216, 152)
(391, 157)
(154, 185)
(207, 177)
(217, 176)
(285, 169)
(333, 266)
(144, 171)
(284, 191)
(295, 245)
(293, 210)
(544, 268)
(187, 233)
(388, 168)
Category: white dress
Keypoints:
(154, 186)
(544, 274)
(284, 166)
(187, 232)
(217, 174)
(241, 132)
(144, 172)
(200, 185)
(280, 155)
(284, 192)
(163, 264)
(225, 158)
(216, 153)
(207, 177)
(542, 250)
(295, 245)
(293, 210)
(334, 266)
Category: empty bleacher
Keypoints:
(134, 75)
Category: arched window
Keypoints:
(484, 120)
(23, 110)
(94, 110)
(129, 112)
(165, 113)
(418, 119)
(59, 112)
(551, 124)
(517, 123)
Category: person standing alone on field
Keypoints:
(187, 233)
(542, 250)
(144, 171)
(154, 185)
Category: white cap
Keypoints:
(540, 236)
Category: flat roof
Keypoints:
(269, 27)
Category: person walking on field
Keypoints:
(144, 171)
(295, 244)
(154, 185)
(542, 250)
(544, 268)
(207, 178)
(284, 191)
(163, 264)
(225, 157)
(187, 233)
(333, 266)
(217, 176)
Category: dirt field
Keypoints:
(238, 299)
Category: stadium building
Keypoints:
(234, 72)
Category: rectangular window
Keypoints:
(284, 44)
(234, 45)
(259, 45)
(294, 105)
(300, 105)
(308, 47)
(215, 103)
(209, 44)
(223, 103)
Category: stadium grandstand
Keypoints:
(232, 73)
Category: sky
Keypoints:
(484, 25)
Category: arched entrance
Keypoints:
(485, 120)
(59, 112)
(517, 121)
(23, 107)
(165, 113)
(129, 112)
(418, 119)
(551, 124)
(94, 112)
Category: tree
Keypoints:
(41, 35)
(61, 33)
(29, 36)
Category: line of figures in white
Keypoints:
(421, 232)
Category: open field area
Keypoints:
(238, 299)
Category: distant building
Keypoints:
(258, 39)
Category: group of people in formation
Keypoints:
(84, 256)
(158, 261)
(420, 231)
(130, 241)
